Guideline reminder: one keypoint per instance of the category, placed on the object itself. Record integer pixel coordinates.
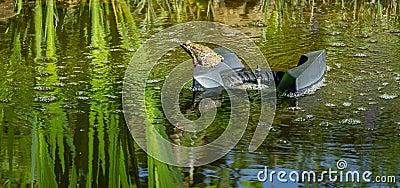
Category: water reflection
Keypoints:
(74, 119)
(61, 121)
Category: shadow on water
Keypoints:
(63, 64)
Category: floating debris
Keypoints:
(92, 47)
(73, 83)
(152, 81)
(350, 121)
(67, 107)
(363, 48)
(290, 94)
(395, 31)
(62, 78)
(45, 99)
(79, 112)
(116, 50)
(329, 105)
(343, 26)
(325, 124)
(334, 33)
(46, 59)
(362, 109)
(116, 111)
(235, 25)
(93, 65)
(258, 23)
(80, 93)
(300, 119)
(131, 50)
(252, 86)
(283, 141)
(346, 104)
(272, 129)
(294, 108)
(388, 96)
(44, 74)
(309, 116)
(58, 84)
(372, 41)
(43, 88)
(338, 44)
(363, 36)
(4, 100)
(83, 98)
(112, 96)
(360, 55)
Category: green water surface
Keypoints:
(62, 67)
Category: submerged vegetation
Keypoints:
(61, 119)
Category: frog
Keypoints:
(202, 55)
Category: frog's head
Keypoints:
(187, 46)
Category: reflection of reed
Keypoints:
(150, 15)
(159, 173)
(126, 25)
(50, 33)
(38, 29)
(55, 160)
(49, 135)
(104, 137)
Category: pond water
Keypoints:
(62, 68)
